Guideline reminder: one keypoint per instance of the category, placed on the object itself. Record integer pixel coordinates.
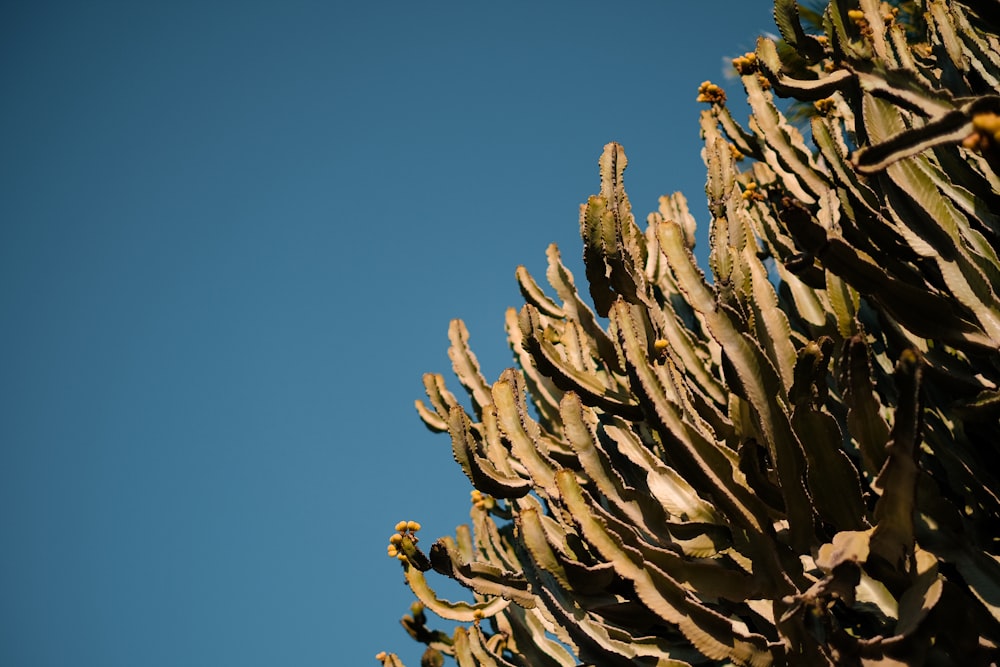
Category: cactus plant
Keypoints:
(787, 461)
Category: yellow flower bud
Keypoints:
(401, 526)
(412, 526)
(987, 123)
(395, 538)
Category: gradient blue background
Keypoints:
(232, 235)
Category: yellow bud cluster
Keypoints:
(751, 193)
(858, 17)
(482, 501)
(889, 13)
(825, 106)
(709, 92)
(404, 529)
(986, 132)
(746, 64)
(737, 155)
(660, 344)
(988, 123)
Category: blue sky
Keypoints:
(232, 235)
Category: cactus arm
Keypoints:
(480, 470)
(389, 660)
(431, 419)
(940, 20)
(950, 128)
(440, 398)
(612, 242)
(864, 414)
(513, 421)
(677, 497)
(983, 56)
(561, 279)
(606, 266)
(495, 544)
(845, 38)
(808, 303)
(786, 17)
(833, 480)
(462, 649)
(771, 66)
(494, 447)
(534, 295)
(907, 90)
(567, 378)
(745, 142)
(787, 145)
(712, 578)
(483, 578)
(825, 133)
(544, 392)
(773, 330)
(893, 539)
(463, 612)
(844, 303)
(466, 366)
(537, 544)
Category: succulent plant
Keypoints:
(786, 461)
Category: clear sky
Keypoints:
(232, 235)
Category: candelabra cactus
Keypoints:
(785, 463)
